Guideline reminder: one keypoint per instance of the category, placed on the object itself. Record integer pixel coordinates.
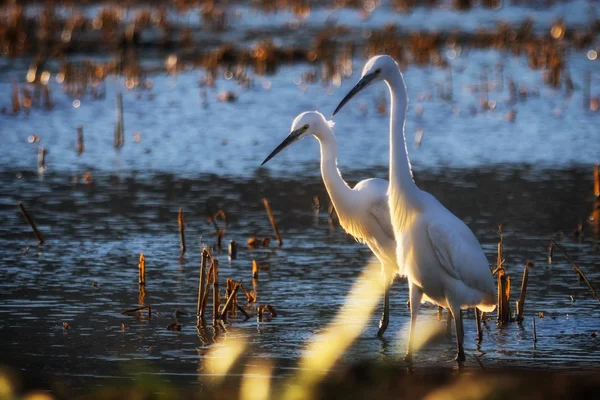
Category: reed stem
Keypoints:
(201, 283)
(273, 222)
(181, 230)
(215, 291)
(31, 223)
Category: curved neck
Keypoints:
(339, 191)
(402, 184)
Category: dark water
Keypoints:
(94, 233)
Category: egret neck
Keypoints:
(339, 191)
(402, 190)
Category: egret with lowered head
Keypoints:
(441, 257)
(363, 211)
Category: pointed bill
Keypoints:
(362, 83)
(291, 138)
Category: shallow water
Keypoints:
(95, 232)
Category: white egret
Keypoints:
(441, 257)
(363, 211)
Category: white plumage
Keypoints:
(441, 257)
(363, 211)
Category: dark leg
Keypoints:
(478, 319)
(460, 355)
(385, 317)
(415, 303)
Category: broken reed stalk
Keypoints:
(213, 218)
(142, 270)
(80, 145)
(254, 270)
(42, 159)
(478, 320)
(331, 213)
(596, 181)
(210, 217)
(521, 301)
(550, 252)
(209, 275)
(233, 249)
(576, 269)
(15, 99)
(142, 294)
(220, 238)
(134, 311)
(215, 291)
(241, 309)
(249, 297)
(503, 286)
(230, 300)
(201, 283)
(119, 141)
(273, 222)
(181, 230)
(31, 223)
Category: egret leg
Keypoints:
(385, 317)
(415, 303)
(460, 334)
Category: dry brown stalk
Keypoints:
(503, 286)
(215, 291)
(233, 249)
(15, 98)
(273, 222)
(119, 139)
(230, 299)
(241, 309)
(42, 159)
(254, 270)
(80, 146)
(209, 276)
(201, 283)
(181, 230)
(142, 270)
(521, 301)
(31, 223)
(142, 294)
(249, 296)
(271, 310)
(135, 311)
(577, 270)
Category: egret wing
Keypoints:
(460, 254)
(380, 210)
(377, 206)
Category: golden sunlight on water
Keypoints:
(256, 382)
(322, 353)
(221, 358)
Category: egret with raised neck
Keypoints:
(439, 254)
(363, 210)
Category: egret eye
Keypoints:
(305, 127)
(378, 71)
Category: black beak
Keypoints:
(291, 138)
(363, 83)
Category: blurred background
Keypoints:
(114, 115)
